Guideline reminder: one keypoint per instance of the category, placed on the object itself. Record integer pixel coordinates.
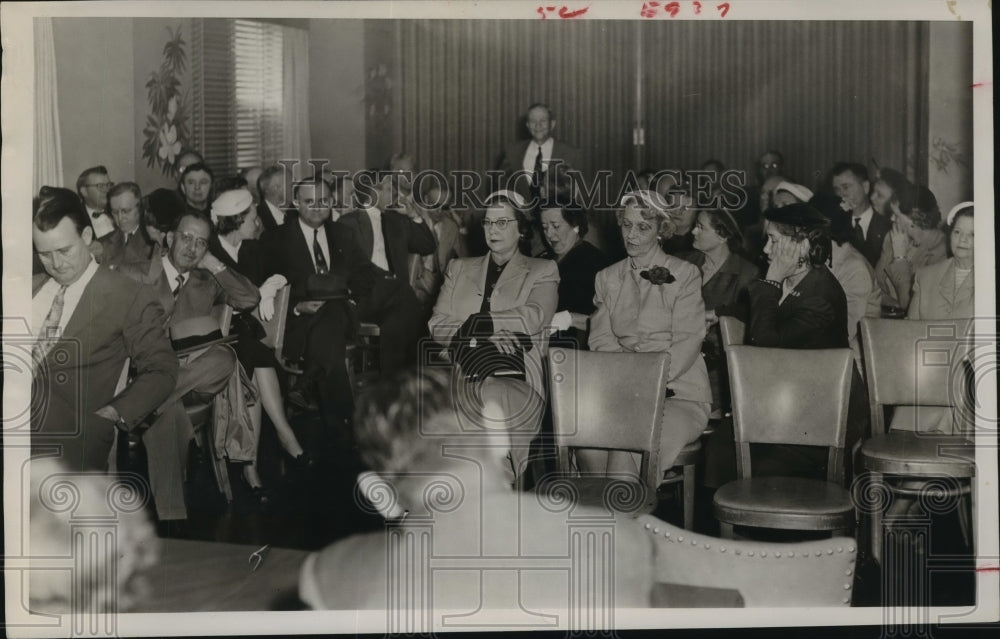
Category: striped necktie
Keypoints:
(48, 335)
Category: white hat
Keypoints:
(231, 203)
(801, 193)
(512, 196)
(954, 211)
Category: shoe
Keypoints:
(303, 462)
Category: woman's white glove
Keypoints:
(268, 290)
(561, 321)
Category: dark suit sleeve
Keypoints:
(421, 238)
(237, 291)
(362, 275)
(154, 360)
(811, 315)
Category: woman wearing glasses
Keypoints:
(651, 302)
(494, 311)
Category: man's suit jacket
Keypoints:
(935, 295)
(116, 252)
(813, 315)
(402, 237)
(266, 219)
(871, 248)
(512, 161)
(115, 319)
(523, 301)
(200, 293)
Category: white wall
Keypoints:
(337, 92)
(950, 113)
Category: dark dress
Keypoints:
(813, 316)
(678, 245)
(250, 352)
(577, 271)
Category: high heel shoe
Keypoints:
(261, 495)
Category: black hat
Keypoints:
(840, 220)
(166, 206)
(801, 215)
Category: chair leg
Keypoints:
(875, 522)
(689, 497)
(726, 530)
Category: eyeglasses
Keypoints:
(770, 165)
(127, 211)
(198, 242)
(500, 224)
(104, 186)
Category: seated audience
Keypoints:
(565, 225)
(87, 321)
(274, 187)
(683, 214)
(196, 187)
(725, 275)
(129, 242)
(188, 281)
(651, 302)
(786, 193)
(160, 211)
(853, 272)
(392, 430)
(427, 271)
(868, 229)
(752, 219)
(946, 290)
(186, 158)
(916, 240)
(237, 228)
(890, 188)
(800, 304)
(533, 157)
(93, 186)
(494, 312)
(250, 176)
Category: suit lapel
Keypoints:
(366, 231)
(514, 271)
(92, 301)
(477, 274)
(947, 284)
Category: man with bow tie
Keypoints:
(93, 186)
(88, 320)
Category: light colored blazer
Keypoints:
(523, 301)
(936, 297)
(671, 320)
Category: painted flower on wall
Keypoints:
(166, 130)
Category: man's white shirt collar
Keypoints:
(864, 219)
(532, 153)
(276, 213)
(171, 272)
(42, 301)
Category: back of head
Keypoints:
(162, 208)
(54, 204)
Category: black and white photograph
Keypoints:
(431, 317)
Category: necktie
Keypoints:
(537, 173)
(859, 232)
(321, 266)
(47, 335)
(180, 283)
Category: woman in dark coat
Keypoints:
(565, 225)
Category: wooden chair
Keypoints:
(610, 401)
(687, 461)
(785, 396)
(767, 575)
(916, 366)
(733, 331)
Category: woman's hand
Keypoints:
(711, 319)
(506, 342)
(785, 258)
(899, 240)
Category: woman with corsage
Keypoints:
(651, 302)
(493, 312)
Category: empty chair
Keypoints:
(918, 368)
(795, 397)
(766, 575)
(608, 401)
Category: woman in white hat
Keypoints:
(651, 302)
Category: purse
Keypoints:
(479, 358)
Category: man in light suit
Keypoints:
(128, 243)
(99, 319)
(534, 156)
(851, 184)
(188, 281)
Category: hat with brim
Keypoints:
(800, 215)
(799, 192)
(513, 197)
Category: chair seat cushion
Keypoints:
(923, 419)
(784, 502)
(623, 495)
(907, 453)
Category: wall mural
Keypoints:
(166, 131)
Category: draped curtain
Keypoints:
(295, 97)
(48, 169)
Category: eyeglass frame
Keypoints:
(189, 239)
(501, 223)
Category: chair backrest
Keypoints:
(733, 331)
(275, 327)
(608, 400)
(790, 396)
(223, 314)
(770, 575)
(913, 363)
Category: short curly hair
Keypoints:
(666, 229)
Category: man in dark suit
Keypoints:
(534, 156)
(274, 188)
(95, 319)
(92, 186)
(128, 243)
(308, 249)
(851, 184)
(188, 281)
(196, 186)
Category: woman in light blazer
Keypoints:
(946, 290)
(501, 304)
(651, 302)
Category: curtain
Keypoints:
(295, 96)
(48, 169)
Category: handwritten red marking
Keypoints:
(649, 9)
(673, 8)
(988, 569)
(540, 12)
(723, 8)
(566, 14)
(697, 7)
(977, 85)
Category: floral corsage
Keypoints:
(658, 275)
